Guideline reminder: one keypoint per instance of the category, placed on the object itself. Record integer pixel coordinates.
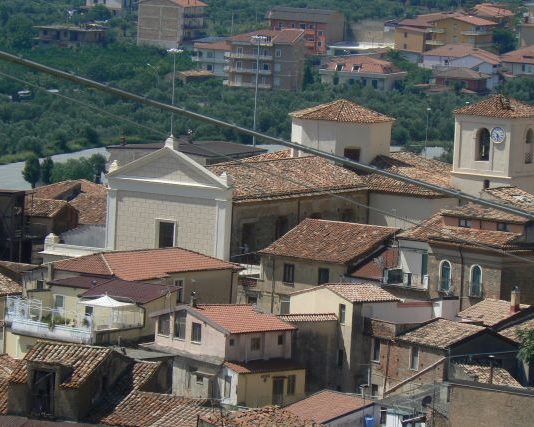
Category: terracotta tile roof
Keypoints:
(45, 208)
(373, 268)
(525, 55)
(359, 64)
(440, 333)
(341, 110)
(138, 292)
(357, 292)
(512, 196)
(412, 166)
(91, 208)
(61, 189)
(480, 372)
(146, 264)
(498, 106)
(17, 267)
(143, 409)
(327, 405)
(260, 366)
(435, 231)
(476, 211)
(80, 282)
(285, 36)
(219, 45)
(490, 10)
(242, 319)
(512, 332)
(475, 20)
(308, 317)
(83, 359)
(9, 286)
(268, 416)
(287, 178)
(7, 366)
(330, 241)
(463, 73)
(460, 50)
(489, 311)
(275, 155)
(428, 19)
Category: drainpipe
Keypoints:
(387, 368)
(461, 277)
(272, 286)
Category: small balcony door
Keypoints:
(278, 391)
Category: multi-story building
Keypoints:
(417, 35)
(519, 62)
(277, 57)
(167, 23)
(322, 27)
(211, 55)
(235, 353)
(495, 12)
(71, 35)
(115, 6)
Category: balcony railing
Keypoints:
(247, 71)
(410, 280)
(254, 56)
(476, 33)
(434, 43)
(247, 84)
(435, 30)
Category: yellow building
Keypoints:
(426, 32)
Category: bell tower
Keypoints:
(493, 145)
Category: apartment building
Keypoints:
(167, 23)
(321, 27)
(425, 32)
(210, 54)
(277, 55)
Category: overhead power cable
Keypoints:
(268, 171)
(201, 117)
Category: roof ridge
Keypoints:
(102, 255)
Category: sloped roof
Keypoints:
(491, 10)
(268, 416)
(341, 110)
(413, 166)
(480, 372)
(258, 180)
(460, 73)
(490, 311)
(260, 366)
(433, 230)
(143, 264)
(460, 50)
(242, 318)
(330, 241)
(91, 208)
(358, 293)
(9, 286)
(524, 55)
(512, 332)
(498, 106)
(7, 366)
(45, 208)
(512, 196)
(440, 333)
(308, 317)
(363, 63)
(144, 409)
(428, 19)
(83, 359)
(138, 292)
(327, 405)
(476, 211)
(59, 190)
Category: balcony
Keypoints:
(397, 277)
(247, 84)
(30, 317)
(253, 56)
(199, 15)
(476, 33)
(434, 43)
(435, 30)
(229, 69)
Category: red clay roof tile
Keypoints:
(498, 106)
(341, 110)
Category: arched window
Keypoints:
(475, 287)
(483, 144)
(445, 276)
(529, 145)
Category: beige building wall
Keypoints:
(412, 40)
(160, 23)
(334, 137)
(211, 287)
(18, 345)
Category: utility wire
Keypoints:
(254, 165)
(182, 111)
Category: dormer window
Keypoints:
(339, 67)
(356, 68)
(503, 226)
(466, 223)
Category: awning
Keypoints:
(105, 301)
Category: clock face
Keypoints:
(498, 135)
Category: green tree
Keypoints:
(98, 163)
(92, 136)
(526, 351)
(19, 33)
(32, 170)
(73, 169)
(46, 170)
(504, 39)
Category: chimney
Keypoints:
(490, 379)
(515, 300)
(193, 299)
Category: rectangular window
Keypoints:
(180, 291)
(88, 310)
(231, 342)
(227, 386)
(281, 339)
(289, 273)
(239, 50)
(342, 309)
(281, 226)
(255, 344)
(320, 33)
(340, 357)
(248, 234)
(59, 303)
(291, 383)
(414, 358)
(324, 276)
(39, 285)
(302, 26)
(284, 305)
(252, 299)
(352, 154)
(424, 264)
(266, 67)
(166, 234)
(466, 223)
(278, 53)
(374, 390)
(376, 350)
(200, 379)
(196, 332)
(179, 325)
(502, 226)
(164, 325)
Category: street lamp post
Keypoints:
(173, 52)
(428, 109)
(259, 39)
